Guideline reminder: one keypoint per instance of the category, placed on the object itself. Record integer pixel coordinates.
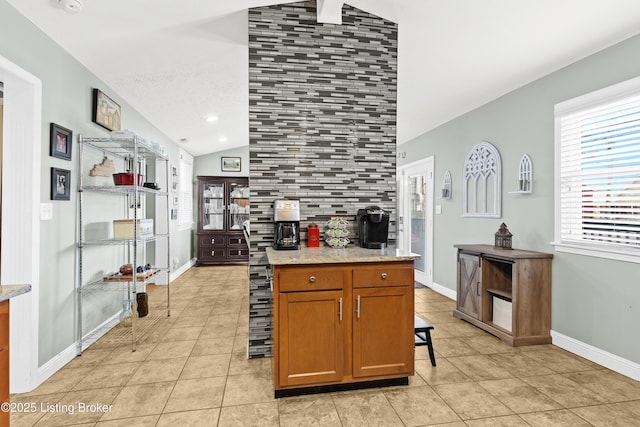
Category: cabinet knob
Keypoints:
(213, 241)
(312, 279)
(213, 253)
(383, 276)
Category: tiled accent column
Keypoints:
(322, 112)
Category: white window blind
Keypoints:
(598, 148)
(185, 186)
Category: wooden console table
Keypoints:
(521, 278)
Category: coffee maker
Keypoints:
(287, 224)
(373, 227)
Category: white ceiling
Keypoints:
(179, 61)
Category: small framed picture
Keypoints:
(231, 164)
(60, 142)
(174, 178)
(60, 184)
(106, 112)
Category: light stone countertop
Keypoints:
(327, 255)
(10, 291)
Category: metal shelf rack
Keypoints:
(136, 150)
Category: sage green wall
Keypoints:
(66, 100)
(210, 164)
(594, 301)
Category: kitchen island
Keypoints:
(6, 293)
(342, 318)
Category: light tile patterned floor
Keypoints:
(192, 370)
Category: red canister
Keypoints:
(313, 236)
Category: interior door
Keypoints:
(415, 215)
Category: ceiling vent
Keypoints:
(71, 6)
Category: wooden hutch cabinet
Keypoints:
(223, 206)
(506, 292)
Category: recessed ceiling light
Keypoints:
(223, 139)
(212, 119)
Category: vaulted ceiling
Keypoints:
(179, 62)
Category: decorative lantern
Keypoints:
(503, 237)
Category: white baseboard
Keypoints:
(442, 290)
(180, 271)
(54, 365)
(608, 360)
(57, 362)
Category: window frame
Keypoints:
(618, 91)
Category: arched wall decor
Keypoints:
(525, 175)
(446, 185)
(482, 182)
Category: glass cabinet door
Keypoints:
(213, 206)
(238, 205)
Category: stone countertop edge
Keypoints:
(10, 291)
(327, 255)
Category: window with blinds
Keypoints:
(598, 171)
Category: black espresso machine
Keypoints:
(373, 227)
(287, 224)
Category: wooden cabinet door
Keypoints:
(383, 331)
(4, 359)
(310, 337)
(469, 285)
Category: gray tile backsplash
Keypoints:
(322, 127)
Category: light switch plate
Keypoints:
(46, 211)
(438, 209)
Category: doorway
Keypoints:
(415, 215)
(20, 226)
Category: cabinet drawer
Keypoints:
(211, 253)
(211, 240)
(383, 275)
(310, 279)
(238, 253)
(235, 240)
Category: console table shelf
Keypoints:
(521, 278)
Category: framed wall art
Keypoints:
(60, 142)
(231, 164)
(174, 178)
(60, 184)
(106, 112)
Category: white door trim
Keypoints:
(423, 167)
(21, 171)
